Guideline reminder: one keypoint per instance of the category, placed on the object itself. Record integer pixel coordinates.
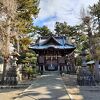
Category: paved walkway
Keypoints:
(49, 87)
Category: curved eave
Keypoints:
(67, 47)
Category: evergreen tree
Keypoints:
(42, 31)
(95, 13)
(16, 23)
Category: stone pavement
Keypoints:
(49, 86)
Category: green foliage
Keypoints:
(95, 10)
(95, 13)
(24, 43)
(63, 28)
(27, 57)
(43, 31)
(26, 10)
(16, 27)
(78, 61)
(88, 57)
(30, 70)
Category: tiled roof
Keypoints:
(45, 43)
(59, 39)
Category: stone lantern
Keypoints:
(84, 76)
(11, 78)
(83, 55)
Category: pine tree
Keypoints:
(16, 23)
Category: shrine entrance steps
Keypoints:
(51, 72)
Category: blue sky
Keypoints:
(61, 10)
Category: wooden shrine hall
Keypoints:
(52, 51)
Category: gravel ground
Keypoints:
(80, 92)
(75, 92)
(9, 94)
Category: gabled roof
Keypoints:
(56, 42)
(60, 40)
(51, 40)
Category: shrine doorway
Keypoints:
(51, 63)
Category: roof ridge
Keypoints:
(51, 37)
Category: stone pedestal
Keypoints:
(11, 75)
(84, 76)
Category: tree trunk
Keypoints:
(6, 43)
(94, 55)
(18, 45)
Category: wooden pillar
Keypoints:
(58, 61)
(44, 60)
(61, 63)
(41, 64)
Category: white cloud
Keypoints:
(64, 10)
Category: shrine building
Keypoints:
(52, 51)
